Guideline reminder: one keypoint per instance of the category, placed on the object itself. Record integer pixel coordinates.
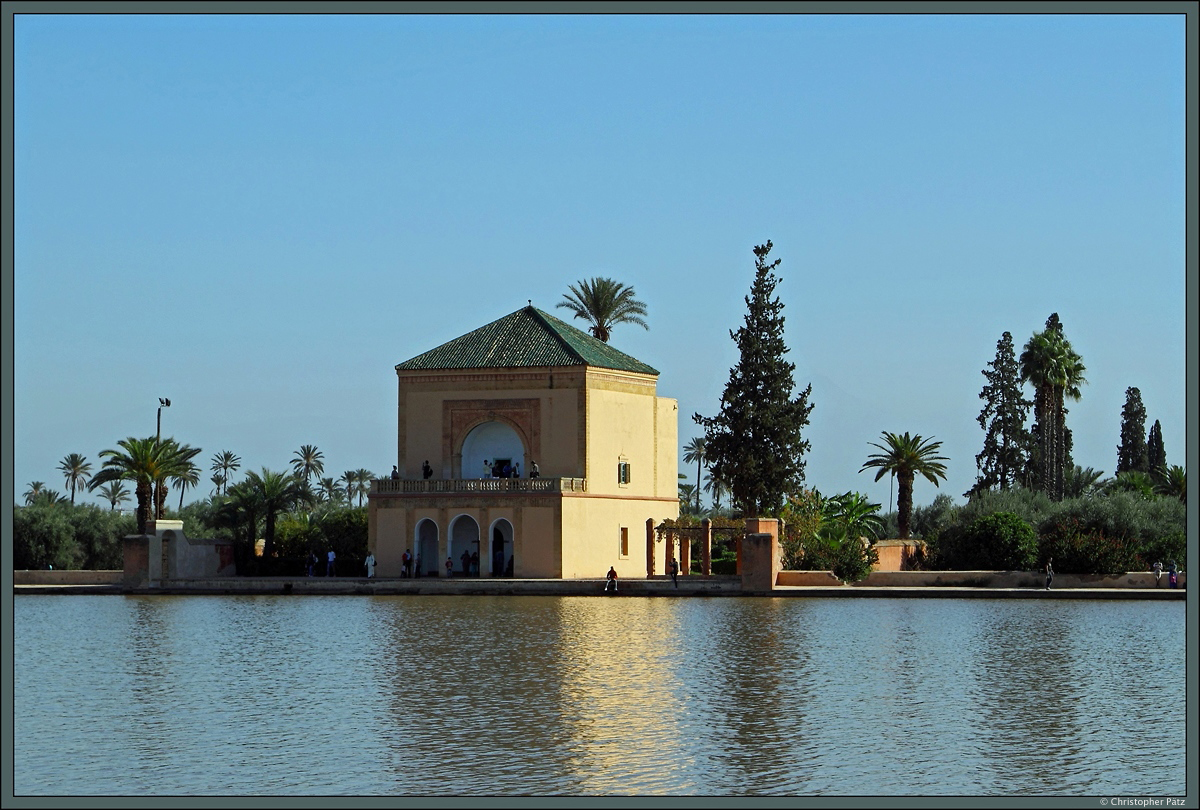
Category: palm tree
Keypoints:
(309, 461)
(907, 456)
(604, 303)
(35, 488)
(276, 492)
(178, 458)
(328, 489)
(350, 479)
(241, 509)
(224, 463)
(48, 497)
(1080, 481)
(1054, 369)
(694, 451)
(75, 468)
(1172, 482)
(114, 492)
(148, 463)
(716, 488)
(189, 476)
(363, 486)
(217, 480)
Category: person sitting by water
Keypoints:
(611, 585)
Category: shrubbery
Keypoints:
(69, 537)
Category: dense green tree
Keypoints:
(907, 456)
(75, 469)
(224, 464)
(604, 303)
(1132, 452)
(1156, 451)
(42, 537)
(1054, 369)
(98, 536)
(755, 443)
(145, 462)
(309, 461)
(693, 451)
(1006, 440)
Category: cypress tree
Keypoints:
(754, 443)
(1156, 451)
(1132, 452)
(1005, 442)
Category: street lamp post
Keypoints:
(162, 403)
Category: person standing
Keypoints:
(370, 564)
(449, 568)
(395, 473)
(426, 470)
(312, 563)
(487, 468)
(1157, 568)
(533, 469)
(406, 564)
(329, 563)
(673, 569)
(1172, 574)
(611, 584)
(1049, 572)
(474, 563)
(466, 563)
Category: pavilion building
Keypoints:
(523, 390)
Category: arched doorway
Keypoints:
(426, 549)
(489, 442)
(500, 549)
(464, 538)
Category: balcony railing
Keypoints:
(401, 486)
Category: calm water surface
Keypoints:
(525, 695)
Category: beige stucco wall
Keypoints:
(592, 535)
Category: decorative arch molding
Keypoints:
(461, 416)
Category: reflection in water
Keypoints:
(478, 696)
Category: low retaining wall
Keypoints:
(67, 577)
(806, 579)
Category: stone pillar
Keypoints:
(685, 553)
(649, 547)
(760, 559)
(706, 548)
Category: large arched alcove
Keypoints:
(500, 547)
(488, 442)
(425, 543)
(464, 537)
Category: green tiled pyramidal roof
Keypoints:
(527, 337)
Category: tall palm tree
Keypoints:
(350, 479)
(188, 476)
(75, 469)
(224, 463)
(694, 451)
(217, 480)
(604, 303)
(907, 456)
(35, 488)
(240, 511)
(363, 485)
(148, 463)
(276, 492)
(178, 461)
(114, 492)
(1055, 371)
(309, 461)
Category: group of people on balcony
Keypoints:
(505, 469)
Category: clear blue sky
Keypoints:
(260, 216)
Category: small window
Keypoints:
(622, 472)
(624, 541)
